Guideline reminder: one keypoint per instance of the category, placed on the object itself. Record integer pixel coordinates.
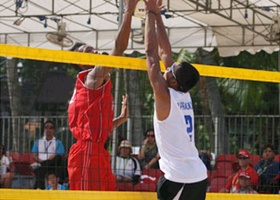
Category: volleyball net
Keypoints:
(129, 63)
(247, 129)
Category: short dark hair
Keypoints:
(187, 76)
(49, 122)
(51, 173)
(269, 146)
(148, 130)
(76, 46)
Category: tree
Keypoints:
(250, 97)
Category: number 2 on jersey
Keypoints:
(188, 120)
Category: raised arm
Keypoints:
(100, 74)
(124, 113)
(151, 43)
(121, 41)
(165, 51)
(158, 83)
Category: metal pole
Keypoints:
(117, 83)
(279, 71)
(216, 135)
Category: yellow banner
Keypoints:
(130, 63)
(27, 194)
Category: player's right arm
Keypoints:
(101, 74)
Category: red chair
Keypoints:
(148, 187)
(152, 173)
(27, 157)
(276, 177)
(254, 159)
(226, 157)
(16, 156)
(221, 173)
(223, 165)
(277, 158)
(148, 180)
(217, 184)
(124, 186)
(23, 168)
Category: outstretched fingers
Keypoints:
(154, 5)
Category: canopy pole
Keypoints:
(279, 71)
(117, 85)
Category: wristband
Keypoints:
(151, 11)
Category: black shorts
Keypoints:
(168, 190)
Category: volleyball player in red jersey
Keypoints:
(90, 115)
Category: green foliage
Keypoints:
(249, 97)
(146, 95)
(203, 140)
(186, 56)
(259, 61)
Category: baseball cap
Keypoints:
(245, 174)
(125, 143)
(243, 153)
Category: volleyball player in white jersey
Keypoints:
(185, 175)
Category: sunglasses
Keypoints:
(171, 69)
(150, 135)
(242, 158)
(49, 127)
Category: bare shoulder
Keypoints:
(162, 103)
(96, 77)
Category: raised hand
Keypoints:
(153, 5)
(124, 110)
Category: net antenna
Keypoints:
(274, 30)
(60, 37)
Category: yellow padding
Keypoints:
(130, 63)
(19, 194)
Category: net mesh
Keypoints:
(36, 85)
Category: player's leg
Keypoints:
(194, 191)
(167, 190)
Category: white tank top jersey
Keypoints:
(179, 159)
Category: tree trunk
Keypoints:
(15, 99)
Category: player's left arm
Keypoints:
(124, 113)
(164, 46)
(160, 88)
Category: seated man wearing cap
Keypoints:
(245, 184)
(127, 167)
(243, 158)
